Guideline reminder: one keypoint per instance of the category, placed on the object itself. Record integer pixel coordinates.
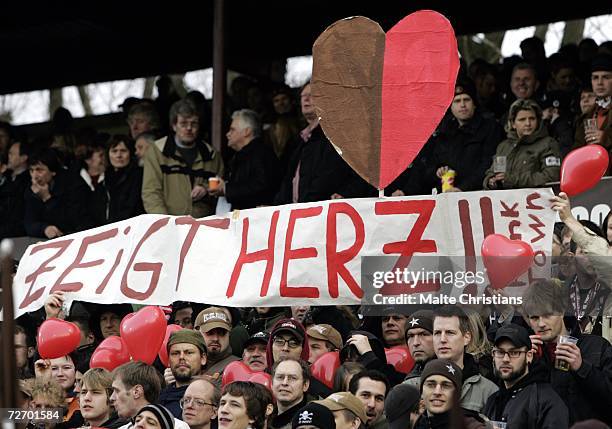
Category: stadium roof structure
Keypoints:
(56, 44)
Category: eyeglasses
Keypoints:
(186, 125)
(197, 403)
(512, 354)
(292, 343)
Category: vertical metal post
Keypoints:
(219, 74)
(7, 341)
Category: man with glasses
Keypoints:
(200, 404)
(290, 382)
(287, 340)
(525, 398)
(177, 168)
(186, 356)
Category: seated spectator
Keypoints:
(242, 406)
(282, 132)
(264, 318)
(96, 390)
(24, 350)
(123, 181)
(53, 205)
(464, 142)
(200, 404)
(253, 170)
(13, 184)
(182, 314)
(558, 119)
(532, 158)
(47, 393)
(348, 411)
(586, 100)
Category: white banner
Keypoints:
(287, 255)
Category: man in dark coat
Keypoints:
(13, 184)
(525, 399)
(253, 171)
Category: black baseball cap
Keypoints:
(515, 333)
(258, 337)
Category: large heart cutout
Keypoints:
(380, 97)
(325, 367)
(505, 259)
(239, 371)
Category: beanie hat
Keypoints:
(420, 319)
(165, 417)
(314, 414)
(444, 368)
(187, 336)
(399, 403)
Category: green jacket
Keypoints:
(531, 161)
(168, 181)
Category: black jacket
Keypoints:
(12, 204)
(467, 149)
(66, 209)
(284, 420)
(586, 392)
(124, 189)
(170, 397)
(253, 176)
(531, 403)
(322, 171)
(375, 359)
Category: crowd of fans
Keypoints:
(473, 367)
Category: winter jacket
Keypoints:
(531, 161)
(124, 187)
(283, 420)
(65, 208)
(476, 389)
(374, 359)
(467, 149)
(606, 126)
(442, 421)
(170, 397)
(586, 392)
(97, 198)
(531, 403)
(253, 176)
(12, 193)
(215, 369)
(322, 172)
(598, 251)
(168, 180)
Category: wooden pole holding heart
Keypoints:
(381, 96)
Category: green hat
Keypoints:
(187, 336)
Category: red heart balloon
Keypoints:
(400, 358)
(262, 378)
(111, 353)
(505, 260)
(57, 338)
(324, 368)
(163, 351)
(582, 168)
(380, 97)
(236, 371)
(143, 332)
